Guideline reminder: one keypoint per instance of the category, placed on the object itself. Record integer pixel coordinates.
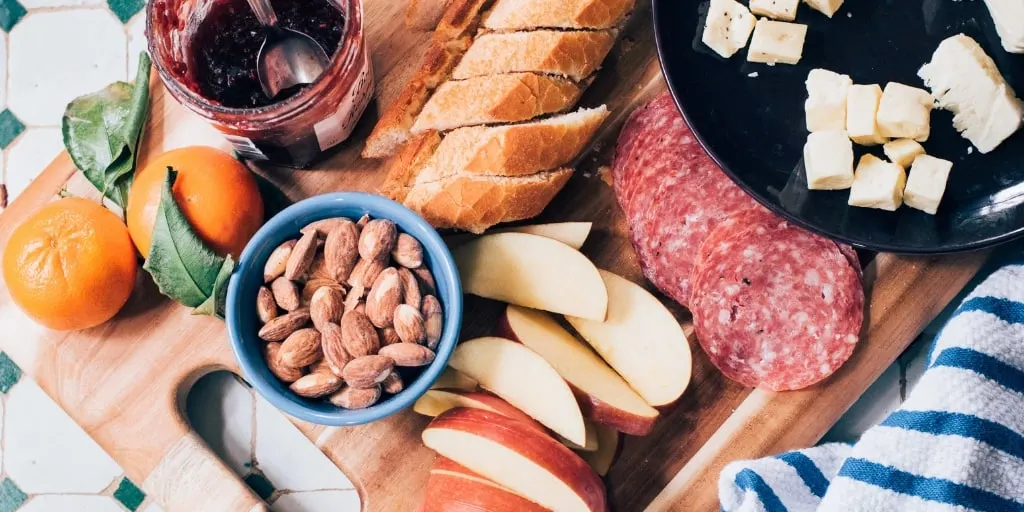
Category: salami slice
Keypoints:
(775, 306)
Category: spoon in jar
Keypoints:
(287, 57)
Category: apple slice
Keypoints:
(607, 449)
(525, 380)
(641, 340)
(532, 271)
(454, 488)
(572, 234)
(602, 394)
(589, 446)
(518, 457)
(451, 378)
(436, 401)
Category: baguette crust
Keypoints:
(407, 164)
(575, 54)
(510, 15)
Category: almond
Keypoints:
(408, 354)
(427, 284)
(385, 295)
(319, 366)
(266, 307)
(377, 239)
(358, 335)
(363, 221)
(283, 372)
(301, 348)
(407, 252)
(333, 346)
(286, 294)
(365, 272)
(316, 385)
(355, 398)
(388, 336)
(410, 288)
(278, 261)
(341, 250)
(281, 327)
(433, 321)
(409, 324)
(393, 384)
(327, 305)
(318, 269)
(315, 284)
(323, 226)
(368, 371)
(352, 301)
(301, 257)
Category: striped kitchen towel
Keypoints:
(956, 443)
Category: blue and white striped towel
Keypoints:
(956, 443)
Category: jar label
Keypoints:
(339, 125)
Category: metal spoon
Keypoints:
(287, 58)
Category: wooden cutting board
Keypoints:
(124, 382)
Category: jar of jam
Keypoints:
(205, 52)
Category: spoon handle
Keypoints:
(264, 12)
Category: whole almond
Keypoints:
(333, 346)
(320, 366)
(286, 294)
(323, 226)
(393, 384)
(358, 335)
(301, 257)
(281, 327)
(368, 371)
(283, 372)
(315, 284)
(407, 354)
(301, 348)
(365, 272)
(385, 295)
(409, 324)
(266, 306)
(407, 252)
(433, 321)
(363, 221)
(377, 239)
(278, 261)
(388, 336)
(316, 385)
(427, 284)
(318, 269)
(327, 305)
(410, 288)
(341, 250)
(355, 398)
(353, 301)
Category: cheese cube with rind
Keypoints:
(904, 112)
(784, 10)
(902, 152)
(828, 159)
(825, 107)
(826, 7)
(927, 183)
(877, 184)
(727, 27)
(861, 107)
(776, 42)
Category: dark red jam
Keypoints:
(228, 39)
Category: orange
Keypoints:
(217, 194)
(71, 265)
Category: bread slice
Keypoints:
(575, 54)
(495, 99)
(475, 203)
(530, 14)
(407, 164)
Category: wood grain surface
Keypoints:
(124, 382)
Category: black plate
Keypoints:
(754, 126)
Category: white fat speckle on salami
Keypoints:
(775, 306)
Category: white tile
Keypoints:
(65, 503)
(40, 438)
(221, 411)
(3, 71)
(29, 155)
(58, 56)
(153, 507)
(288, 459)
(136, 29)
(316, 501)
(35, 4)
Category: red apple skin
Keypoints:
(531, 444)
(497, 404)
(448, 492)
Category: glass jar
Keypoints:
(294, 132)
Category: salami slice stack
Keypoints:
(774, 306)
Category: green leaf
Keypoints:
(102, 132)
(182, 266)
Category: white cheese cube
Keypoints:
(1008, 16)
(861, 107)
(826, 7)
(926, 183)
(877, 184)
(825, 107)
(965, 81)
(784, 10)
(777, 41)
(902, 152)
(727, 27)
(904, 112)
(828, 159)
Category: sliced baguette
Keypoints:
(575, 54)
(510, 15)
(495, 99)
(407, 165)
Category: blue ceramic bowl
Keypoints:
(243, 323)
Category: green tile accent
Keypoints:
(9, 374)
(125, 9)
(11, 497)
(11, 13)
(129, 495)
(10, 126)
(260, 485)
